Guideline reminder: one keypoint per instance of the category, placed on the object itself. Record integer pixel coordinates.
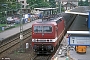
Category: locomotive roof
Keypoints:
(50, 21)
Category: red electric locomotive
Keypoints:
(47, 34)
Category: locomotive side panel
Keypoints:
(60, 27)
(59, 32)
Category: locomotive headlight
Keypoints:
(34, 40)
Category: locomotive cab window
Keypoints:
(38, 29)
(44, 29)
(47, 29)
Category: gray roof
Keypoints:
(82, 9)
(71, 4)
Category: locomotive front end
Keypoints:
(43, 37)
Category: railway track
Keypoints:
(43, 57)
(14, 40)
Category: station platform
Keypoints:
(80, 10)
(63, 54)
(13, 31)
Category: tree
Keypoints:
(86, 3)
(83, 3)
(38, 3)
(52, 3)
(2, 11)
(7, 5)
(80, 3)
(2, 2)
(13, 5)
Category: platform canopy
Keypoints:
(80, 10)
(47, 13)
(45, 9)
(78, 32)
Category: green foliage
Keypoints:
(7, 5)
(83, 3)
(41, 3)
(2, 2)
(62, 9)
(10, 27)
(13, 5)
(3, 20)
(10, 4)
(89, 3)
(52, 3)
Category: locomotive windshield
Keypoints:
(38, 29)
(47, 29)
(44, 29)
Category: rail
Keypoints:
(14, 40)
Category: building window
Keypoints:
(22, 6)
(22, 1)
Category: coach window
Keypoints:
(37, 29)
(47, 29)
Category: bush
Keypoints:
(3, 20)
(9, 27)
